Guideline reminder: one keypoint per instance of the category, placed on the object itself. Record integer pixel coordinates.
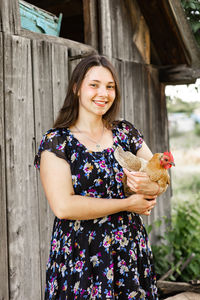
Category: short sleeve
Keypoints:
(54, 140)
(135, 137)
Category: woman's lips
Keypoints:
(100, 103)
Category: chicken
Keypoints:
(156, 168)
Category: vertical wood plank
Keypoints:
(4, 279)
(23, 225)
(105, 28)
(59, 76)
(90, 23)
(10, 16)
(118, 65)
(44, 115)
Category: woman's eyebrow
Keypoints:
(100, 81)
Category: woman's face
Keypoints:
(97, 92)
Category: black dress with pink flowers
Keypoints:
(104, 258)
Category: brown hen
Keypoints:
(156, 168)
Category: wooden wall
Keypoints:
(126, 40)
(33, 83)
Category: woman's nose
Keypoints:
(103, 91)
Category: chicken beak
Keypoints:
(172, 164)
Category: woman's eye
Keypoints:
(93, 85)
(110, 87)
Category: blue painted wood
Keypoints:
(38, 20)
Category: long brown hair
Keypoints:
(69, 112)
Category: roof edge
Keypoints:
(186, 33)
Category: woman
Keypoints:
(99, 247)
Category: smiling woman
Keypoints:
(99, 248)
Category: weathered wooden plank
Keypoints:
(4, 278)
(126, 40)
(59, 76)
(119, 69)
(90, 22)
(105, 28)
(22, 205)
(9, 16)
(44, 115)
(128, 84)
(57, 40)
(168, 287)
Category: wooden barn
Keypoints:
(151, 45)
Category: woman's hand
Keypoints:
(141, 204)
(140, 183)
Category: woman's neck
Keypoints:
(90, 124)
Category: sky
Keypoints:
(187, 93)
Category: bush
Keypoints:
(180, 241)
(197, 129)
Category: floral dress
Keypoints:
(103, 258)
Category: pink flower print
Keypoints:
(95, 290)
(122, 263)
(119, 235)
(109, 294)
(79, 266)
(53, 285)
(87, 169)
(102, 164)
(82, 254)
(119, 177)
(107, 241)
(61, 146)
(142, 243)
(55, 245)
(122, 136)
(146, 272)
(91, 193)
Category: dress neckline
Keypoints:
(109, 149)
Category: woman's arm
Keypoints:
(57, 183)
(139, 182)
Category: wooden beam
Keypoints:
(169, 287)
(178, 74)
(57, 40)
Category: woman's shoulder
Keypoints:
(124, 125)
(55, 132)
(53, 140)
